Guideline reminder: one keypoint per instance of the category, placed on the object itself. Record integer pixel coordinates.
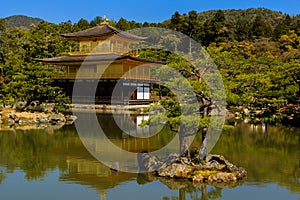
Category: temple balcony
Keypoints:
(72, 76)
(89, 51)
(102, 47)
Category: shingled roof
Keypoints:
(95, 58)
(100, 31)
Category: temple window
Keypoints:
(112, 46)
(119, 47)
(72, 69)
(84, 48)
(104, 47)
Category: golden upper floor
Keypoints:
(104, 39)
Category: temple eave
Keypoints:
(68, 60)
(101, 31)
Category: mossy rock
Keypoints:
(204, 173)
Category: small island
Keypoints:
(213, 169)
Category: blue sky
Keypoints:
(152, 11)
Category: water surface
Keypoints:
(47, 164)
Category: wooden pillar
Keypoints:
(122, 92)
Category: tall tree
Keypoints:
(24, 79)
(82, 24)
(96, 21)
(243, 29)
(283, 27)
(260, 28)
(123, 24)
(191, 27)
(176, 22)
(215, 29)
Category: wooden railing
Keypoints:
(103, 76)
(88, 51)
(109, 100)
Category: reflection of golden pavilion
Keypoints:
(84, 170)
(93, 174)
(105, 57)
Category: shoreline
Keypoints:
(107, 109)
(40, 119)
(11, 118)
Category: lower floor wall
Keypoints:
(108, 91)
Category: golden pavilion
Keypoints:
(104, 58)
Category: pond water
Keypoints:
(46, 164)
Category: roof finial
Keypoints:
(105, 20)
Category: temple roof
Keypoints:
(95, 58)
(100, 31)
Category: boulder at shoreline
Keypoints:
(34, 120)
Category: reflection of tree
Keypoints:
(197, 193)
(33, 151)
(186, 188)
(201, 192)
(272, 156)
(2, 176)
